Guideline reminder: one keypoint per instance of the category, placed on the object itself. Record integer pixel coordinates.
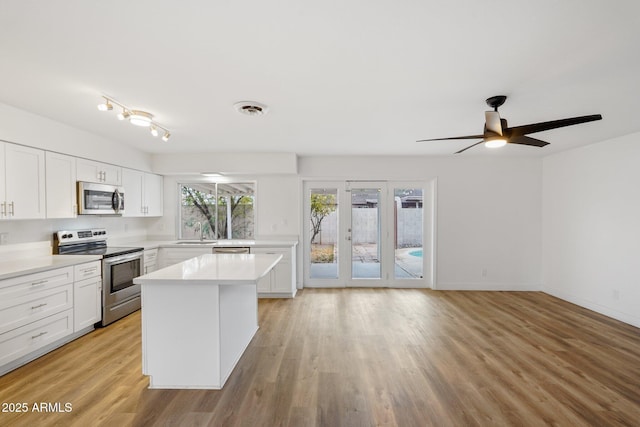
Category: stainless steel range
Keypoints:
(120, 265)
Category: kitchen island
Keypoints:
(198, 317)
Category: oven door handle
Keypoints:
(123, 258)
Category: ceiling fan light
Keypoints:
(495, 143)
(140, 118)
(166, 136)
(154, 131)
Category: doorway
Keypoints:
(368, 234)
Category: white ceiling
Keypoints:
(340, 77)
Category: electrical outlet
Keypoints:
(4, 238)
(484, 272)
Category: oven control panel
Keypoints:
(76, 236)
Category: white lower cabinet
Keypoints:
(42, 311)
(150, 260)
(281, 281)
(29, 338)
(35, 310)
(87, 295)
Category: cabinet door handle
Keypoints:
(38, 283)
(33, 337)
(12, 213)
(38, 306)
(89, 271)
(3, 212)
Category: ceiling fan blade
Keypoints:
(527, 140)
(553, 124)
(466, 148)
(452, 138)
(493, 123)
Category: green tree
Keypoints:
(235, 202)
(206, 204)
(321, 206)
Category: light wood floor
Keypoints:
(365, 357)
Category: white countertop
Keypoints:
(215, 269)
(19, 267)
(154, 244)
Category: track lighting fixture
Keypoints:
(135, 117)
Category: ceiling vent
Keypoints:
(251, 108)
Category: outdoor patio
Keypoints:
(366, 265)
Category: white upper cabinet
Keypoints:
(22, 186)
(3, 183)
(91, 171)
(153, 193)
(142, 193)
(61, 186)
(133, 184)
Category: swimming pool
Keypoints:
(417, 253)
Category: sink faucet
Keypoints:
(199, 229)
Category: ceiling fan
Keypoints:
(496, 133)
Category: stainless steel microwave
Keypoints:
(100, 199)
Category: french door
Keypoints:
(367, 233)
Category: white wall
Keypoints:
(20, 127)
(488, 213)
(277, 205)
(591, 227)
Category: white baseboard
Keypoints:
(593, 306)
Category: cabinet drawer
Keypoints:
(17, 312)
(286, 253)
(87, 271)
(150, 256)
(33, 283)
(19, 342)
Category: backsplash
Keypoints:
(25, 231)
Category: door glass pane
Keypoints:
(323, 233)
(408, 232)
(365, 233)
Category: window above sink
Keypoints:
(220, 211)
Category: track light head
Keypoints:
(124, 115)
(154, 131)
(166, 136)
(105, 106)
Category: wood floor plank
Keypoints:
(364, 357)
